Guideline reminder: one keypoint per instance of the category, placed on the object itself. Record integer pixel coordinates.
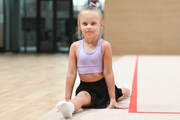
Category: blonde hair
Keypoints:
(93, 9)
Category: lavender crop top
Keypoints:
(90, 62)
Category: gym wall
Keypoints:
(143, 26)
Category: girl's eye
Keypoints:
(85, 24)
(93, 23)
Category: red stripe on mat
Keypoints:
(158, 112)
(133, 99)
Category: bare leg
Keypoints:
(125, 92)
(83, 99)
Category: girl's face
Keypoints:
(90, 24)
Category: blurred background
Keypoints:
(131, 26)
(39, 26)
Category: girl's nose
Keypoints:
(89, 26)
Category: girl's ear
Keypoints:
(102, 24)
(79, 27)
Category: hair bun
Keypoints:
(93, 3)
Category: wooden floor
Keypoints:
(31, 85)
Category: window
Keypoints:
(1, 24)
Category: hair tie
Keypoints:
(92, 4)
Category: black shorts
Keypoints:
(99, 92)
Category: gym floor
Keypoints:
(32, 84)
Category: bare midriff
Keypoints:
(91, 77)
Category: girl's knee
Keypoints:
(125, 92)
(85, 98)
(84, 94)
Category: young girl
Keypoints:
(91, 57)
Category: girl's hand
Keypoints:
(113, 104)
(68, 100)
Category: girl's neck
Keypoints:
(91, 41)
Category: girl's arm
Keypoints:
(109, 75)
(108, 71)
(72, 72)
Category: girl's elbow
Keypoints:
(106, 74)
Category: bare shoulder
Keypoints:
(75, 44)
(106, 44)
(74, 48)
(106, 47)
